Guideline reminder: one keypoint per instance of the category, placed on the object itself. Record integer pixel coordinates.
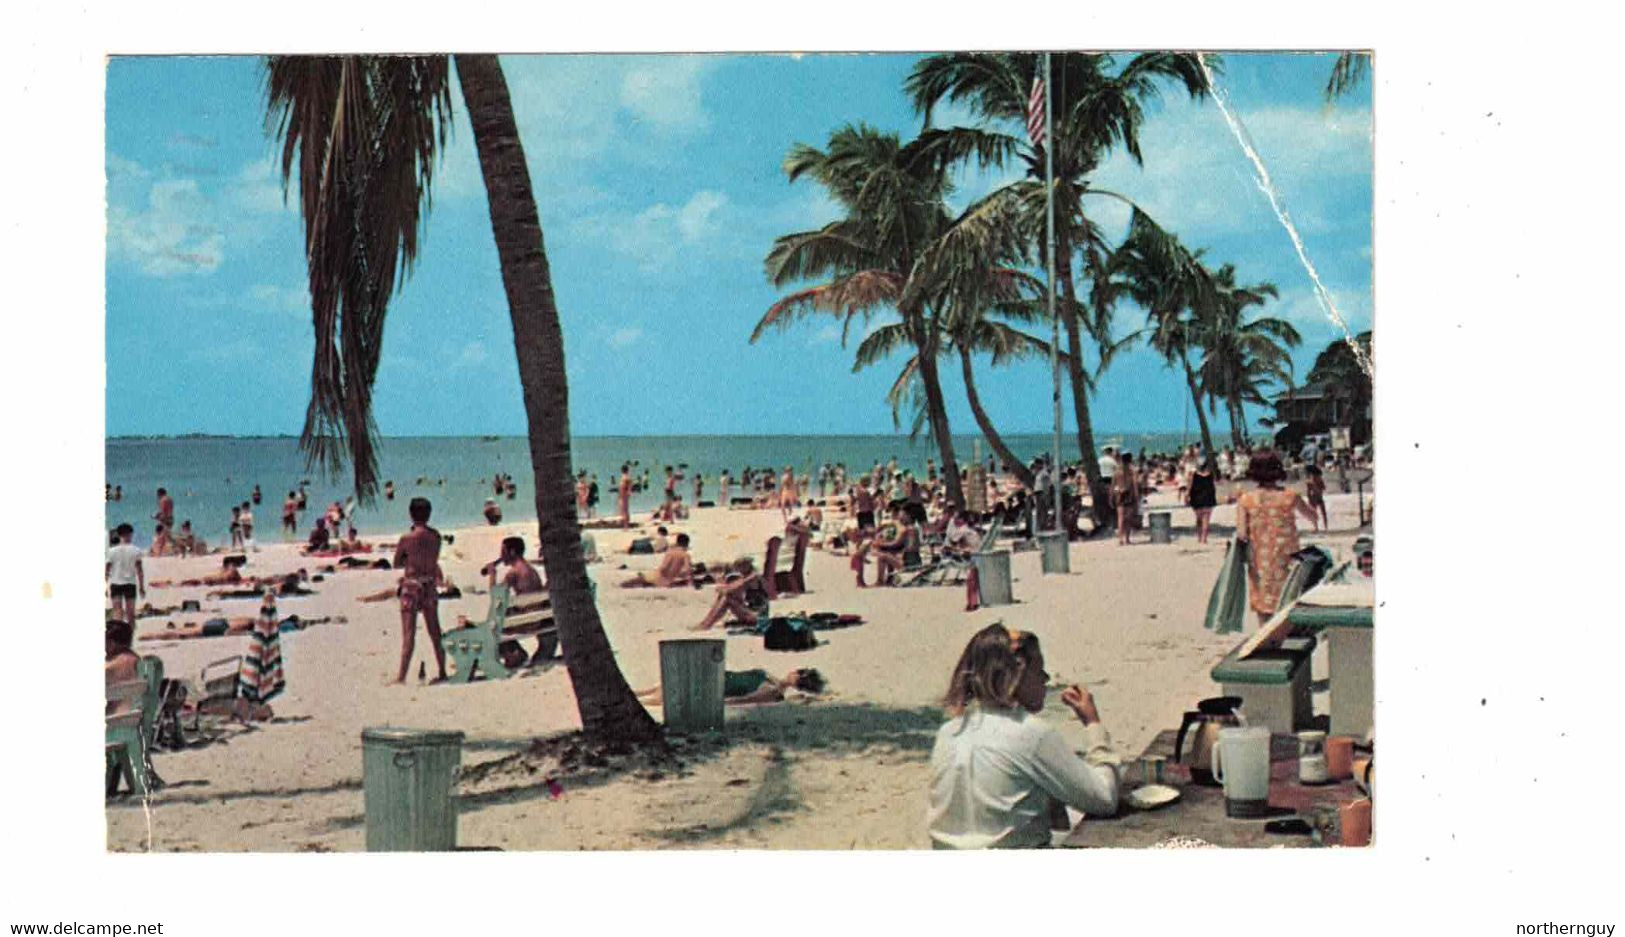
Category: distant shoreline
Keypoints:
(1068, 434)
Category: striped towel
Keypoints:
(260, 679)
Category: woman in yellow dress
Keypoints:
(1265, 522)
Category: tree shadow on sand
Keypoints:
(555, 764)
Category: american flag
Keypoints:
(1035, 112)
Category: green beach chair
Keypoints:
(126, 746)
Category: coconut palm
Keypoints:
(1097, 106)
(363, 133)
(894, 196)
(1348, 72)
(1177, 293)
(1242, 356)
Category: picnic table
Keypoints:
(1199, 812)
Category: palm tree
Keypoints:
(1242, 356)
(363, 133)
(1178, 295)
(1348, 72)
(895, 202)
(1096, 106)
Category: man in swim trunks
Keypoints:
(675, 569)
(166, 509)
(417, 555)
(290, 515)
(525, 585)
(623, 496)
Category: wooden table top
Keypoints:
(1199, 812)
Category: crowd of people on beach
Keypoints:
(1000, 777)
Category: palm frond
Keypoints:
(363, 134)
(1348, 72)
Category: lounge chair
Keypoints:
(477, 645)
(217, 684)
(948, 569)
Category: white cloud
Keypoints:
(1197, 181)
(281, 299)
(664, 92)
(170, 234)
(625, 337)
(257, 188)
(657, 235)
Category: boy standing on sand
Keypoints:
(125, 575)
(417, 556)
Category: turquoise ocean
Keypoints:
(207, 475)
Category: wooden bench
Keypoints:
(477, 645)
(1273, 684)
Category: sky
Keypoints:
(660, 191)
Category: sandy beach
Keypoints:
(846, 770)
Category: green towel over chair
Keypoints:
(1227, 606)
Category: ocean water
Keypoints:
(207, 475)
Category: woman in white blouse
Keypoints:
(998, 773)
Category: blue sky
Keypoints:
(660, 192)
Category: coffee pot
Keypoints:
(1199, 732)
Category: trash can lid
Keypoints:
(391, 735)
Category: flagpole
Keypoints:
(1049, 254)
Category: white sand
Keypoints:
(845, 771)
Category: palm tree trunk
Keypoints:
(936, 408)
(1196, 404)
(1098, 493)
(608, 708)
(992, 436)
(1238, 423)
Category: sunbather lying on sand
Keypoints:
(740, 687)
(675, 569)
(228, 575)
(251, 586)
(218, 627)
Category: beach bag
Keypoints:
(1227, 606)
(1309, 567)
(642, 545)
(783, 633)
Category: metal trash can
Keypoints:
(1162, 527)
(993, 577)
(407, 777)
(1056, 557)
(691, 678)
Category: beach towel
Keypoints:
(1227, 606)
(260, 680)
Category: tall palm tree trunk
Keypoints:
(1099, 495)
(992, 436)
(607, 705)
(1196, 404)
(1238, 422)
(936, 408)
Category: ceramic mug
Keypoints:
(1354, 822)
(1151, 769)
(1340, 757)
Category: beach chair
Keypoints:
(477, 645)
(792, 581)
(127, 751)
(949, 569)
(216, 685)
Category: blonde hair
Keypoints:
(991, 668)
